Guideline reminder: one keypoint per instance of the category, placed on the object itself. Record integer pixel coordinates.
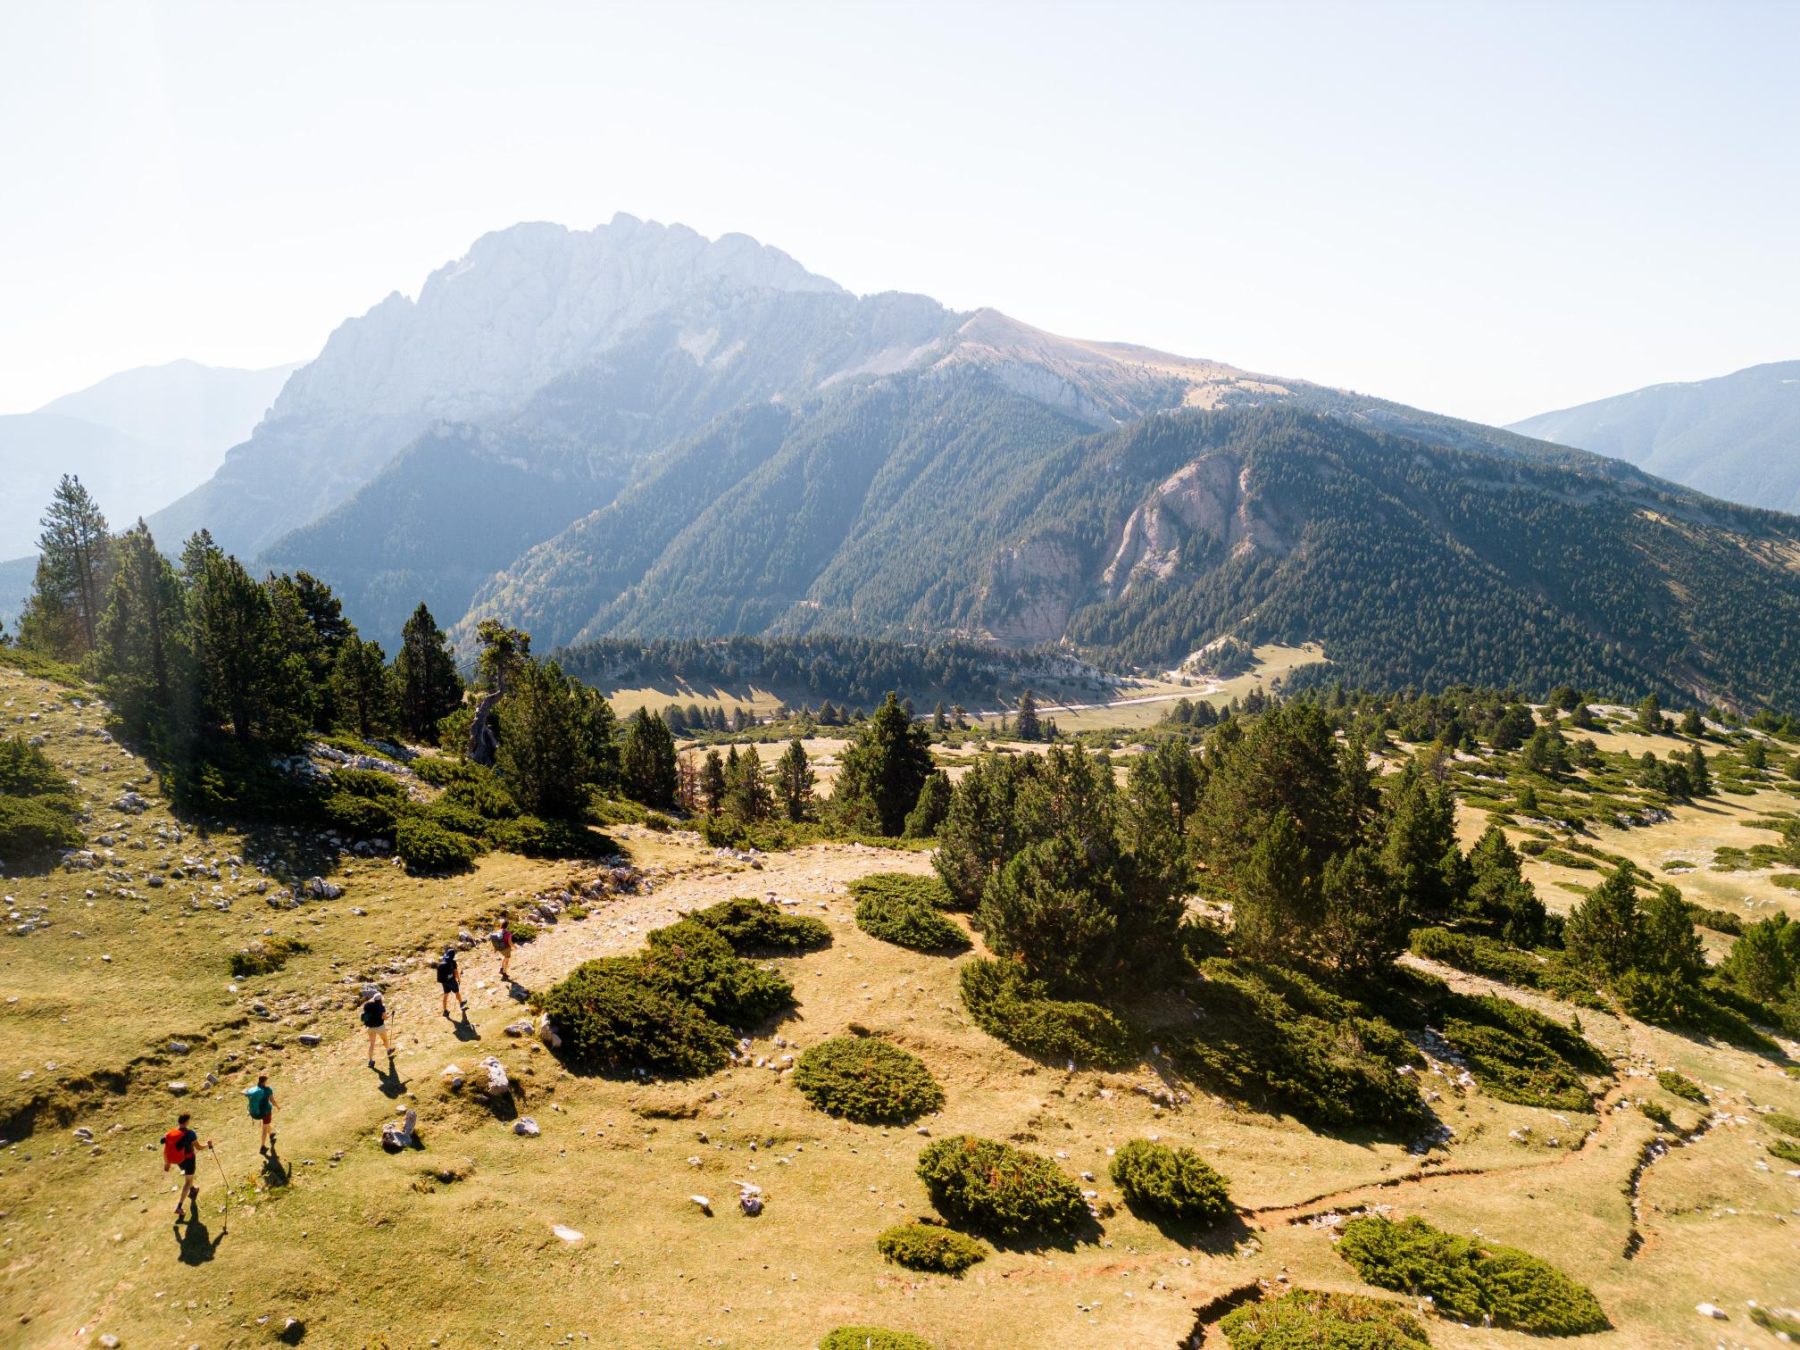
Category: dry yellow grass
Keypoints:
(368, 1248)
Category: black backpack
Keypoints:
(446, 970)
(373, 1013)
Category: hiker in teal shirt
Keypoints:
(262, 1107)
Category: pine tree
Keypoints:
(687, 782)
(598, 727)
(74, 569)
(1604, 931)
(982, 828)
(1699, 778)
(712, 782)
(1365, 921)
(1692, 724)
(940, 720)
(362, 688)
(250, 682)
(928, 813)
(1027, 726)
(1273, 897)
(427, 685)
(141, 657)
(647, 762)
(1650, 716)
(882, 771)
(794, 781)
(747, 796)
(195, 550)
(1756, 755)
(542, 756)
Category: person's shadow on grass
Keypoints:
(275, 1172)
(392, 1085)
(195, 1245)
(465, 1030)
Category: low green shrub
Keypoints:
(1786, 1150)
(929, 891)
(265, 956)
(364, 817)
(996, 1188)
(657, 822)
(1685, 1088)
(442, 770)
(1469, 1280)
(483, 794)
(867, 1080)
(1272, 1035)
(531, 837)
(1493, 960)
(576, 912)
(370, 783)
(447, 815)
(1175, 1183)
(756, 927)
(425, 846)
(1719, 920)
(908, 922)
(931, 1246)
(523, 932)
(872, 1338)
(1657, 1112)
(694, 963)
(35, 828)
(1016, 1010)
(611, 1019)
(1307, 1319)
(1519, 1055)
(1784, 1123)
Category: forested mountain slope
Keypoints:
(893, 511)
(1736, 437)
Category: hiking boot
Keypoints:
(264, 1150)
(371, 1064)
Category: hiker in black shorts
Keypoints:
(450, 981)
(374, 1017)
(180, 1149)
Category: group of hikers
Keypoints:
(181, 1145)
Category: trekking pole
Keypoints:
(224, 1181)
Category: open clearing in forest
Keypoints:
(455, 1243)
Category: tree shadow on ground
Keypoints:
(195, 1244)
(1087, 1233)
(1214, 1239)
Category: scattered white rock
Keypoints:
(498, 1084)
(566, 1233)
(1711, 1310)
(526, 1126)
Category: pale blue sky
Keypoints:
(1489, 210)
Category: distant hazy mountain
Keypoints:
(138, 439)
(1736, 437)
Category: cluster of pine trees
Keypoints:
(195, 648)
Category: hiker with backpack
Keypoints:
(374, 1017)
(180, 1149)
(450, 981)
(261, 1099)
(503, 943)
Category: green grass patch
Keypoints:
(1787, 1150)
(1468, 1280)
(867, 1080)
(1782, 1123)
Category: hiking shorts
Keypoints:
(451, 986)
(187, 1165)
(266, 1115)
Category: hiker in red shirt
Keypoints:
(180, 1147)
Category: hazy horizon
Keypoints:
(1486, 210)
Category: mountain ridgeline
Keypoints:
(635, 432)
(1736, 436)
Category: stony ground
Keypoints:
(458, 1243)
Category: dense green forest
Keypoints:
(820, 666)
(950, 506)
